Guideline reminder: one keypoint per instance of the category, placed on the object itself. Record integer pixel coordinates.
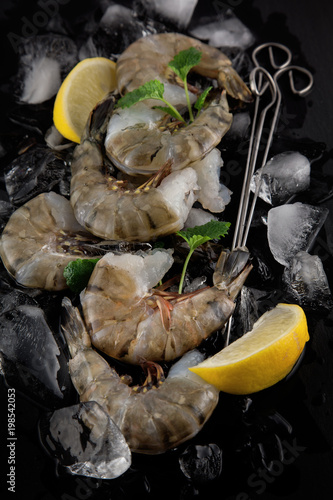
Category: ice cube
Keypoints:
(32, 360)
(251, 304)
(45, 60)
(283, 175)
(118, 28)
(201, 463)
(306, 281)
(195, 284)
(292, 228)
(86, 441)
(42, 82)
(179, 12)
(36, 171)
(226, 31)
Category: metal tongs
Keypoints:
(261, 80)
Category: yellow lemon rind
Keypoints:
(260, 369)
(80, 92)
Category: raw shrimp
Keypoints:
(39, 240)
(137, 143)
(147, 59)
(130, 321)
(152, 421)
(108, 208)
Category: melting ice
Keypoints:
(117, 29)
(201, 463)
(178, 12)
(86, 441)
(44, 62)
(292, 228)
(306, 281)
(30, 356)
(283, 175)
(226, 31)
(36, 171)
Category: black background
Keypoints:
(306, 401)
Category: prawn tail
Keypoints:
(99, 118)
(73, 328)
(230, 80)
(231, 271)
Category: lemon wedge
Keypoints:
(262, 357)
(87, 84)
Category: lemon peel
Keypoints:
(261, 357)
(86, 84)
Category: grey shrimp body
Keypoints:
(40, 239)
(148, 58)
(108, 208)
(130, 320)
(152, 421)
(137, 144)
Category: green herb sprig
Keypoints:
(181, 64)
(77, 273)
(154, 89)
(196, 236)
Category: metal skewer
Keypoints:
(265, 81)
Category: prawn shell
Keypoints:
(109, 210)
(33, 245)
(123, 320)
(153, 421)
(147, 59)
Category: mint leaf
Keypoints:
(213, 229)
(201, 99)
(184, 61)
(77, 273)
(181, 64)
(154, 89)
(196, 236)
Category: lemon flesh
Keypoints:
(87, 84)
(262, 357)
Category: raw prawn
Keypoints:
(147, 59)
(129, 320)
(39, 240)
(152, 421)
(138, 142)
(108, 208)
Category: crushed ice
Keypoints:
(86, 441)
(226, 31)
(306, 282)
(31, 359)
(283, 175)
(292, 228)
(179, 12)
(201, 463)
(36, 171)
(45, 60)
